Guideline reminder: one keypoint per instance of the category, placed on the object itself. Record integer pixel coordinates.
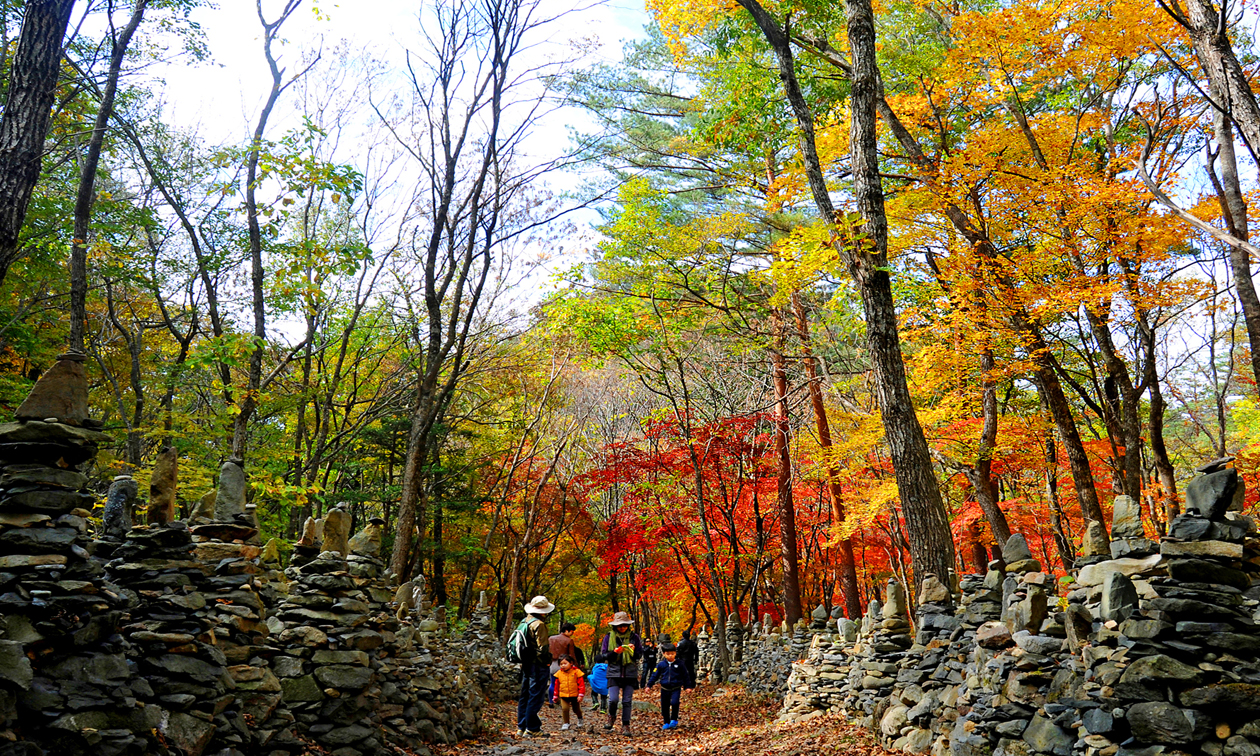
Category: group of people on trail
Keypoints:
(553, 670)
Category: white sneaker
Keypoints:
(564, 727)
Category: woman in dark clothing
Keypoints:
(621, 650)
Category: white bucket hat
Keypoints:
(539, 605)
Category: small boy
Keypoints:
(673, 675)
(599, 686)
(570, 689)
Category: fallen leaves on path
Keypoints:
(714, 722)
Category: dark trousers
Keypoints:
(669, 704)
(533, 692)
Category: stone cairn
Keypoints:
(499, 679)
(65, 683)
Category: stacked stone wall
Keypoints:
(183, 638)
(1152, 648)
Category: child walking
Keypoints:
(672, 673)
(599, 686)
(570, 689)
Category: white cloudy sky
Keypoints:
(221, 98)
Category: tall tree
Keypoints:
(865, 253)
(27, 116)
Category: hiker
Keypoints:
(570, 689)
(599, 686)
(621, 650)
(649, 661)
(529, 646)
(689, 654)
(672, 674)
(561, 644)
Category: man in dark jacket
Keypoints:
(689, 654)
(535, 669)
(649, 661)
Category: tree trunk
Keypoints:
(932, 548)
(783, 452)
(86, 194)
(981, 474)
(27, 116)
(848, 568)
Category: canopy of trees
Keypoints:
(844, 292)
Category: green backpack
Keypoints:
(520, 645)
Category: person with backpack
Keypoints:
(621, 650)
(528, 646)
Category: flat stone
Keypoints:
(1239, 698)
(48, 501)
(1201, 548)
(344, 677)
(1203, 571)
(325, 656)
(301, 689)
(1038, 644)
(187, 733)
(224, 531)
(22, 519)
(41, 475)
(1098, 721)
(15, 561)
(1095, 574)
(213, 551)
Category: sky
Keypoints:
(222, 97)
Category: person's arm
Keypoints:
(581, 686)
(656, 674)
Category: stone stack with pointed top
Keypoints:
(63, 673)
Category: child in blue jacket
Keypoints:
(598, 678)
(673, 675)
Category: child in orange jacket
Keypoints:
(570, 689)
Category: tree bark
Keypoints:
(27, 117)
(866, 256)
(981, 473)
(783, 452)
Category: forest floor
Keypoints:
(714, 722)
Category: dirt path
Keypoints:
(721, 722)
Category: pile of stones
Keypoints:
(499, 679)
(65, 684)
